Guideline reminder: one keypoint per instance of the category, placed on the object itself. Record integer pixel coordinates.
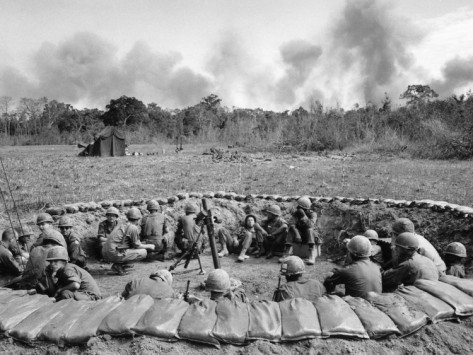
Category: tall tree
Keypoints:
(125, 111)
(418, 93)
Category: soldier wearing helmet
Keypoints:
(158, 285)
(411, 266)
(21, 250)
(362, 275)
(242, 240)
(376, 251)
(454, 255)
(45, 223)
(73, 282)
(123, 244)
(426, 249)
(155, 230)
(8, 265)
(274, 233)
(302, 232)
(219, 284)
(188, 230)
(76, 253)
(293, 269)
(106, 227)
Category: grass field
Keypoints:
(56, 175)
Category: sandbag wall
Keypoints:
(32, 318)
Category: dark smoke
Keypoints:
(87, 69)
(456, 73)
(300, 58)
(370, 39)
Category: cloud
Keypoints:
(456, 73)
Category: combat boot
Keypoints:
(260, 251)
(287, 252)
(223, 252)
(242, 256)
(311, 259)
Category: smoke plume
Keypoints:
(456, 73)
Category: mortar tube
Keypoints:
(211, 233)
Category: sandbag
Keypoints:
(459, 300)
(20, 308)
(121, 319)
(56, 329)
(407, 319)
(265, 321)
(198, 322)
(376, 323)
(299, 320)
(28, 329)
(162, 319)
(338, 319)
(232, 321)
(87, 324)
(434, 307)
(7, 295)
(465, 285)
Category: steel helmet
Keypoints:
(44, 218)
(113, 210)
(457, 249)
(407, 241)
(191, 207)
(402, 225)
(133, 214)
(371, 234)
(274, 209)
(57, 253)
(65, 222)
(359, 246)
(53, 235)
(218, 281)
(24, 231)
(153, 205)
(292, 265)
(304, 202)
(164, 275)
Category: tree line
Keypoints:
(424, 126)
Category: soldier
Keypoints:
(154, 228)
(45, 223)
(293, 268)
(76, 253)
(218, 283)
(158, 285)
(187, 229)
(376, 251)
(411, 266)
(362, 275)
(123, 244)
(21, 250)
(302, 231)
(426, 249)
(274, 234)
(455, 255)
(106, 227)
(8, 265)
(72, 281)
(241, 242)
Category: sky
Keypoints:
(272, 54)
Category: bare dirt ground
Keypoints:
(144, 176)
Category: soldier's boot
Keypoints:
(286, 253)
(260, 251)
(118, 268)
(311, 259)
(270, 253)
(242, 256)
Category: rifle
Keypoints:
(186, 294)
(277, 293)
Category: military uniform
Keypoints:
(8, 264)
(122, 245)
(105, 229)
(88, 289)
(277, 234)
(377, 254)
(309, 289)
(457, 270)
(244, 236)
(415, 268)
(151, 286)
(22, 249)
(187, 232)
(360, 277)
(154, 230)
(76, 253)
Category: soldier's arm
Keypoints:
(335, 279)
(11, 266)
(283, 227)
(394, 277)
